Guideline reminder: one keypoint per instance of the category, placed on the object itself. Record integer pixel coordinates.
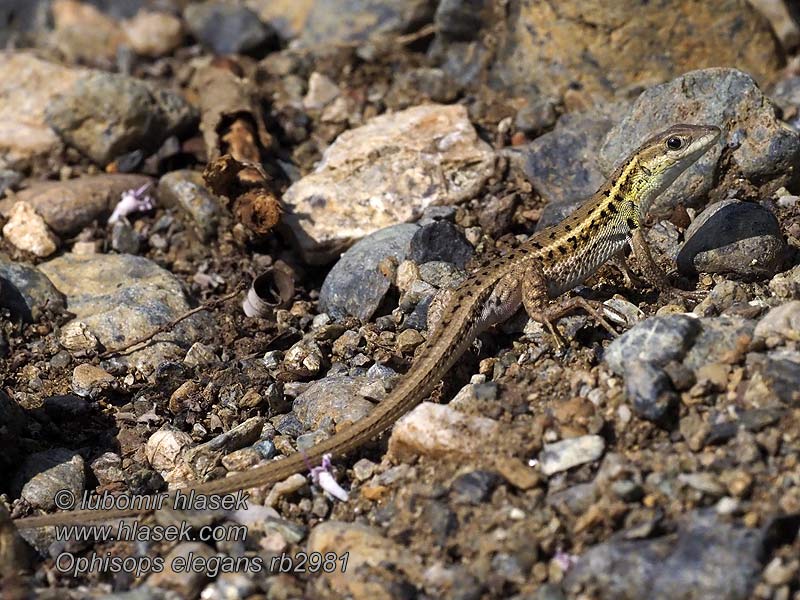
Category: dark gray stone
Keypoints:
(650, 392)
(656, 340)
(9, 179)
(741, 239)
(228, 29)
(26, 291)
(705, 560)
(440, 241)
(124, 239)
(473, 487)
(43, 474)
(727, 98)
(68, 406)
(355, 286)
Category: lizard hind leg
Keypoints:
(541, 309)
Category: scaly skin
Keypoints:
(548, 264)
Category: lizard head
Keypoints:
(662, 158)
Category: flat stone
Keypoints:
(766, 147)
(739, 239)
(26, 291)
(27, 231)
(656, 340)
(440, 241)
(708, 559)
(121, 298)
(437, 430)
(185, 189)
(69, 206)
(563, 455)
(46, 473)
(335, 398)
(355, 286)
(386, 172)
(88, 379)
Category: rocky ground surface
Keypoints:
(381, 150)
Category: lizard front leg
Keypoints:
(654, 273)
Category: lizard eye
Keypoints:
(674, 143)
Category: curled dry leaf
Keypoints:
(271, 290)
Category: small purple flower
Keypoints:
(131, 201)
(323, 477)
(565, 560)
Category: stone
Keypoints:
(27, 87)
(474, 487)
(69, 206)
(774, 375)
(355, 286)
(657, 340)
(153, 34)
(408, 340)
(321, 92)
(386, 172)
(27, 231)
(124, 238)
(786, 286)
(164, 449)
(440, 241)
(650, 392)
(201, 355)
(85, 35)
(88, 380)
(185, 190)
(26, 291)
(783, 16)
(204, 458)
(107, 468)
(722, 339)
(121, 297)
(106, 115)
(781, 322)
(46, 473)
(184, 570)
(610, 46)
(437, 430)
(228, 28)
(738, 239)
(572, 452)
(9, 180)
(766, 147)
(336, 398)
(707, 558)
(75, 336)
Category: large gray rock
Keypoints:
(121, 297)
(26, 291)
(227, 28)
(337, 398)
(105, 115)
(767, 149)
(742, 239)
(355, 286)
(656, 340)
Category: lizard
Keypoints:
(534, 275)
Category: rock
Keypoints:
(562, 164)
(153, 34)
(412, 86)
(385, 172)
(107, 468)
(186, 190)
(786, 286)
(408, 340)
(27, 86)
(722, 339)
(203, 458)
(739, 239)
(783, 16)
(228, 28)
(623, 45)
(650, 392)
(440, 241)
(165, 448)
(441, 274)
(85, 35)
(27, 292)
(46, 473)
(563, 455)
(474, 487)
(330, 22)
(284, 488)
(106, 115)
(437, 430)
(722, 296)
(369, 554)
(88, 380)
(656, 340)
(185, 571)
(69, 206)
(124, 238)
(201, 355)
(781, 323)
(355, 285)
(774, 375)
(707, 558)
(321, 92)
(65, 408)
(9, 180)
(766, 147)
(27, 231)
(121, 298)
(335, 398)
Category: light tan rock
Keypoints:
(165, 447)
(153, 33)
(437, 430)
(27, 231)
(88, 379)
(386, 172)
(84, 34)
